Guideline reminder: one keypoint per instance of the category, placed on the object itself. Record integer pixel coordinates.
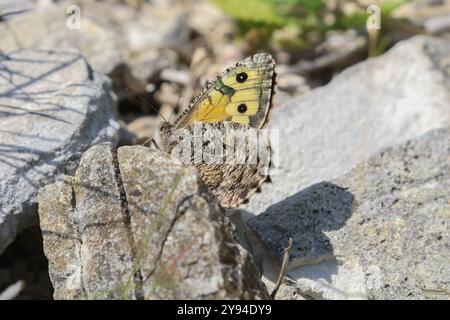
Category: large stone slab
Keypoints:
(53, 107)
(382, 231)
(90, 255)
(383, 101)
(135, 224)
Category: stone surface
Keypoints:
(339, 50)
(379, 232)
(114, 37)
(138, 225)
(289, 85)
(399, 95)
(53, 107)
(201, 14)
(320, 207)
(12, 8)
(143, 128)
(432, 16)
(46, 28)
(86, 240)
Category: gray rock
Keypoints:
(46, 28)
(379, 232)
(339, 50)
(138, 225)
(86, 240)
(181, 262)
(321, 207)
(53, 107)
(212, 23)
(431, 16)
(141, 130)
(289, 84)
(115, 38)
(167, 23)
(438, 24)
(12, 8)
(374, 104)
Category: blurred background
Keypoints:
(160, 53)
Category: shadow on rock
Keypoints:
(53, 106)
(309, 217)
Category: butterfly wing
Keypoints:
(234, 165)
(242, 94)
(232, 185)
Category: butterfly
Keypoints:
(240, 99)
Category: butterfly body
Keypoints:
(240, 98)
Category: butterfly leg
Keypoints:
(152, 141)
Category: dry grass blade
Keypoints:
(284, 264)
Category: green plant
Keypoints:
(130, 285)
(306, 16)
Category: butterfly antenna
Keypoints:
(176, 107)
(145, 102)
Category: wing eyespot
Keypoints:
(242, 108)
(241, 77)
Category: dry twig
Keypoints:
(284, 264)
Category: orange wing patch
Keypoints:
(241, 94)
(212, 108)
